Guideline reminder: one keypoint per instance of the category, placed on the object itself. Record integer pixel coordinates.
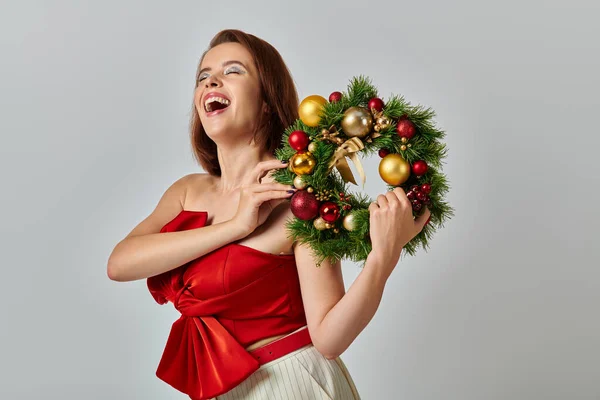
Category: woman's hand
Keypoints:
(257, 200)
(392, 226)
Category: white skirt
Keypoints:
(304, 374)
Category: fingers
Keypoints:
(263, 187)
(373, 207)
(382, 201)
(392, 199)
(271, 195)
(276, 202)
(401, 196)
(263, 168)
(422, 219)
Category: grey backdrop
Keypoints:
(95, 104)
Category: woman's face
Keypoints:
(228, 98)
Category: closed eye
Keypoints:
(234, 69)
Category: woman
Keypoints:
(259, 319)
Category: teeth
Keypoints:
(221, 100)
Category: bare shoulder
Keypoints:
(170, 204)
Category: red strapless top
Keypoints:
(228, 299)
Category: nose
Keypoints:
(212, 81)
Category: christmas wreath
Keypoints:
(333, 222)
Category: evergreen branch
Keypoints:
(426, 145)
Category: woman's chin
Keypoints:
(219, 133)
(228, 134)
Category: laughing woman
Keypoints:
(258, 319)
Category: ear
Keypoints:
(266, 109)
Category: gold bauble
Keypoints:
(403, 147)
(299, 183)
(394, 169)
(357, 122)
(336, 230)
(303, 163)
(310, 109)
(309, 189)
(349, 222)
(312, 147)
(383, 122)
(328, 225)
(320, 224)
(404, 140)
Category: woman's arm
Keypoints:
(336, 318)
(145, 252)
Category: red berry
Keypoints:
(376, 103)
(421, 196)
(383, 152)
(426, 188)
(417, 205)
(427, 201)
(410, 195)
(414, 188)
(335, 97)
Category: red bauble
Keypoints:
(383, 152)
(335, 97)
(298, 140)
(419, 168)
(329, 211)
(376, 103)
(304, 205)
(405, 128)
(426, 188)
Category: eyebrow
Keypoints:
(226, 63)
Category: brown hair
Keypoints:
(277, 90)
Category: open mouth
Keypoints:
(216, 104)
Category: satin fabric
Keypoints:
(228, 299)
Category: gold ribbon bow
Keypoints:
(348, 149)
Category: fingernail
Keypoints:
(293, 187)
(291, 191)
(428, 219)
(284, 161)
